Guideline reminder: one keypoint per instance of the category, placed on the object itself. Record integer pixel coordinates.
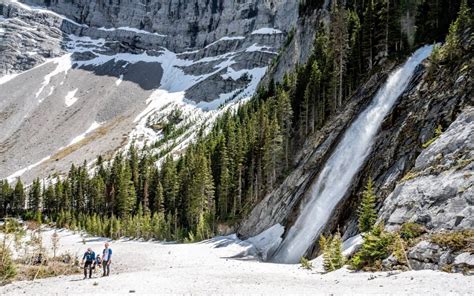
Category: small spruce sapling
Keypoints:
(306, 264)
(366, 211)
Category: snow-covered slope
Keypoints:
(71, 91)
(209, 268)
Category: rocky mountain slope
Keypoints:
(82, 79)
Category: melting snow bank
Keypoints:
(257, 247)
(207, 268)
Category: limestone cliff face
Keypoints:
(186, 23)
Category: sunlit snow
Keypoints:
(70, 98)
(82, 136)
(266, 31)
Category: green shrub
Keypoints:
(377, 245)
(411, 230)
(438, 131)
(331, 247)
(7, 266)
(410, 175)
(306, 264)
(455, 240)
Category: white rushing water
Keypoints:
(336, 176)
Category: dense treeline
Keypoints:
(245, 155)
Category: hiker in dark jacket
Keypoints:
(106, 259)
(89, 257)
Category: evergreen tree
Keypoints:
(332, 252)
(340, 46)
(19, 197)
(5, 197)
(336, 249)
(223, 190)
(366, 211)
(34, 198)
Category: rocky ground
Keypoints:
(208, 267)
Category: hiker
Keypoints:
(89, 256)
(106, 259)
(97, 263)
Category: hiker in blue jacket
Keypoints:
(106, 259)
(89, 257)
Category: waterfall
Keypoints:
(336, 176)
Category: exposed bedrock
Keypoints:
(187, 24)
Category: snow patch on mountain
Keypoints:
(82, 136)
(119, 81)
(266, 31)
(63, 64)
(134, 30)
(70, 98)
(19, 173)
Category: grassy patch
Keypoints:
(437, 133)
(408, 176)
(462, 240)
(45, 270)
(410, 230)
(96, 134)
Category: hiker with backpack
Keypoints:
(106, 259)
(89, 257)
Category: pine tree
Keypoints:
(158, 201)
(325, 245)
(312, 95)
(366, 211)
(377, 246)
(452, 49)
(336, 249)
(331, 247)
(19, 197)
(285, 118)
(34, 199)
(223, 189)
(5, 197)
(340, 45)
(169, 181)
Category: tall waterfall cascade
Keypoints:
(335, 178)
